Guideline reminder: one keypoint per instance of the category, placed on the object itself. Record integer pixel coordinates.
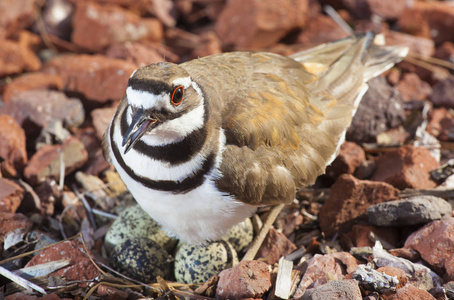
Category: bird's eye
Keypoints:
(177, 96)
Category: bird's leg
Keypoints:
(257, 242)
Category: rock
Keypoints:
(16, 58)
(419, 45)
(411, 87)
(13, 154)
(164, 10)
(275, 245)
(249, 279)
(441, 124)
(45, 163)
(365, 169)
(375, 281)
(16, 15)
(411, 211)
(10, 221)
(34, 110)
(410, 292)
(96, 77)
(21, 296)
(433, 244)
(31, 81)
(362, 232)
(101, 119)
(350, 157)
(364, 9)
(337, 265)
(349, 199)
(320, 29)
(96, 26)
(432, 20)
(53, 134)
(443, 93)
(336, 289)
(96, 161)
(49, 194)
(81, 267)
(111, 293)
(381, 108)
(258, 24)
(406, 253)
(135, 53)
(445, 51)
(140, 258)
(11, 195)
(406, 167)
(395, 272)
(209, 44)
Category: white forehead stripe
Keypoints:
(184, 81)
(146, 100)
(133, 73)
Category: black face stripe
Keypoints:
(188, 184)
(152, 86)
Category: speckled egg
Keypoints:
(134, 222)
(240, 235)
(197, 263)
(141, 259)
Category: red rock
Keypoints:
(31, 81)
(80, 269)
(96, 27)
(337, 265)
(406, 253)
(10, 221)
(320, 29)
(21, 296)
(135, 53)
(15, 58)
(111, 292)
(164, 10)
(16, 15)
(441, 124)
(96, 162)
(443, 93)
(101, 119)
(434, 20)
(50, 297)
(434, 243)
(48, 193)
(361, 235)
(387, 9)
(11, 195)
(209, 45)
(96, 77)
(34, 110)
(349, 199)
(45, 163)
(410, 292)
(406, 167)
(420, 45)
(393, 271)
(275, 245)
(411, 87)
(445, 51)
(12, 145)
(350, 157)
(335, 289)
(258, 24)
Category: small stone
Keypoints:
(363, 253)
(111, 293)
(445, 51)
(406, 253)
(433, 242)
(380, 109)
(417, 44)
(81, 267)
(197, 263)
(209, 45)
(374, 280)
(406, 167)
(441, 124)
(16, 15)
(31, 81)
(249, 279)
(337, 265)
(10, 221)
(335, 289)
(411, 87)
(141, 259)
(411, 292)
(16, 58)
(320, 29)
(411, 211)
(443, 93)
(11, 195)
(12, 144)
(45, 163)
(275, 245)
(101, 119)
(53, 134)
(96, 26)
(395, 272)
(21, 296)
(96, 77)
(361, 235)
(258, 24)
(349, 199)
(136, 53)
(350, 157)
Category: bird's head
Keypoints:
(162, 100)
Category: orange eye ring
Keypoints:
(177, 96)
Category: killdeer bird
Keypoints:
(201, 144)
